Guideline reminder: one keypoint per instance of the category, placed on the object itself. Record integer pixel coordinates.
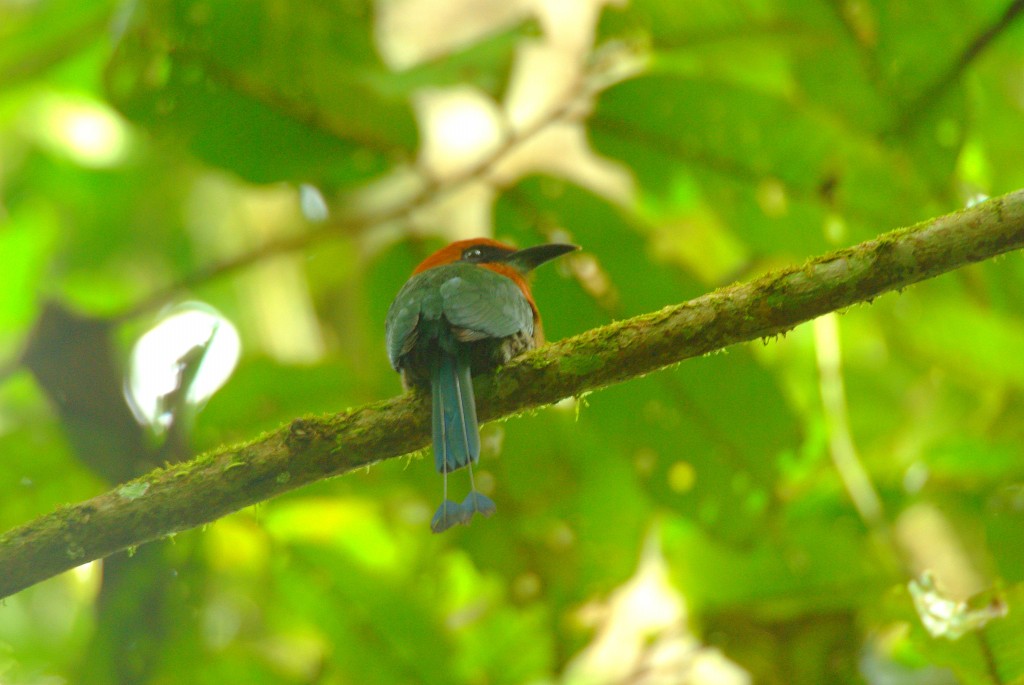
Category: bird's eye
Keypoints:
(472, 253)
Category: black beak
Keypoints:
(532, 257)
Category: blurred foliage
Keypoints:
(687, 527)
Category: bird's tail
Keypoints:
(456, 436)
(456, 433)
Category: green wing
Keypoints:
(485, 305)
(477, 302)
(418, 298)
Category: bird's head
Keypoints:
(495, 256)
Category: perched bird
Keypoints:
(466, 309)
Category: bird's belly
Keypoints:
(484, 356)
(487, 354)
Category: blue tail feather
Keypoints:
(456, 436)
(477, 503)
(446, 516)
(437, 416)
(455, 428)
(451, 514)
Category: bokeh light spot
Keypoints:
(87, 132)
(156, 360)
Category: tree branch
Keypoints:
(190, 494)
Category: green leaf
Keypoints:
(770, 166)
(36, 36)
(485, 64)
(817, 561)
(271, 95)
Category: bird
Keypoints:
(466, 310)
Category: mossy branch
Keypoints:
(309, 449)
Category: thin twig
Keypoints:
(991, 665)
(864, 45)
(926, 100)
(847, 462)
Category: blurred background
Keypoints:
(206, 207)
